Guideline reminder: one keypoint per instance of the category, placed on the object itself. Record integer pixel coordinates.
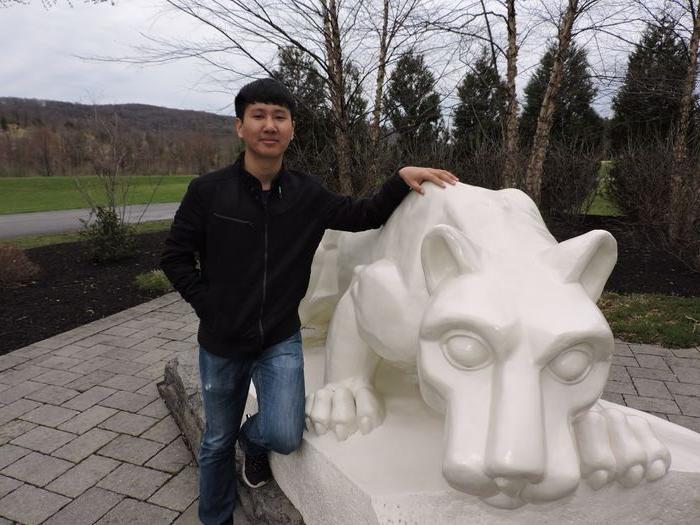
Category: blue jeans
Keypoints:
(278, 376)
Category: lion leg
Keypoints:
(348, 400)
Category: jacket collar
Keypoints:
(281, 186)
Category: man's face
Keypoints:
(266, 130)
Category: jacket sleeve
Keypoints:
(342, 212)
(186, 237)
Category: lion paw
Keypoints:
(344, 407)
(616, 447)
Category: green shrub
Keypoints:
(110, 239)
(15, 266)
(154, 281)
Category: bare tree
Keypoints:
(510, 130)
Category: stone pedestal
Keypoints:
(393, 475)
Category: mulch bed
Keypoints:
(74, 290)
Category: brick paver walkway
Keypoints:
(85, 437)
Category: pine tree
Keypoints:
(412, 105)
(647, 107)
(575, 121)
(478, 117)
(313, 131)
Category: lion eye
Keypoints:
(466, 352)
(571, 366)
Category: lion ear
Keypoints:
(446, 253)
(587, 259)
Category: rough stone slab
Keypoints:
(94, 364)
(44, 504)
(127, 401)
(128, 423)
(613, 398)
(49, 415)
(91, 506)
(7, 485)
(651, 388)
(172, 458)
(652, 361)
(131, 449)
(13, 429)
(179, 492)
(150, 344)
(37, 469)
(151, 389)
(622, 349)
(81, 447)
(43, 439)
(55, 395)
(88, 419)
(12, 393)
(89, 398)
(11, 453)
(83, 476)
(154, 371)
(134, 481)
(120, 330)
(180, 389)
(137, 513)
(163, 432)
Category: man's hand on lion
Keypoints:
(414, 176)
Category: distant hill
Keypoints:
(27, 112)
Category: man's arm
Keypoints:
(342, 212)
(186, 236)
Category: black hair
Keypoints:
(264, 91)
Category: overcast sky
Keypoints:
(41, 49)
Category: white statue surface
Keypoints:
(465, 292)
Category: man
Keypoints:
(256, 226)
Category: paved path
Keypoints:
(15, 224)
(85, 437)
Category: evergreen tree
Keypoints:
(478, 117)
(575, 121)
(647, 107)
(3, 123)
(313, 130)
(412, 105)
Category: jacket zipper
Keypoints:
(233, 219)
(264, 286)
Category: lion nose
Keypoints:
(516, 448)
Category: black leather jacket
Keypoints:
(255, 259)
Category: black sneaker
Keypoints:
(256, 470)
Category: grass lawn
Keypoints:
(602, 203)
(34, 241)
(653, 319)
(27, 194)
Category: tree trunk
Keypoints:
(681, 217)
(334, 59)
(510, 132)
(540, 144)
(373, 174)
